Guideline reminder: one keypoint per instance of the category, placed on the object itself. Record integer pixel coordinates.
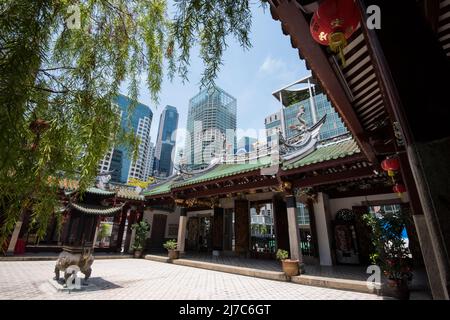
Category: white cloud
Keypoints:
(278, 70)
(272, 66)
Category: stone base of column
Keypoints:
(301, 268)
(13, 240)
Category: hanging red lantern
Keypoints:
(390, 165)
(333, 23)
(399, 189)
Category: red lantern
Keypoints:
(399, 188)
(390, 165)
(333, 23)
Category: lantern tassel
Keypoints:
(337, 44)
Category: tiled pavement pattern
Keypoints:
(142, 279)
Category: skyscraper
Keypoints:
(119, 159)
(246, 144)
(273, 125)
(150, 161)
(165, 143)
(211, 125)
(308, 94)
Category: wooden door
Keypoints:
(242, 226)
(217, 230)
(228, 231)
(158, 231)
(281, 224)
(363, 235)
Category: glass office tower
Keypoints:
(211, 125)
(165, 143)
(119, 158)
(308, 94)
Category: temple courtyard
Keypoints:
(132, 279)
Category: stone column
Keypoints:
(133, 235)
(241, 227)
(429, 166)
(14, 237)
(323, 228)
(294, 234)
(181, 239)
(121, 230)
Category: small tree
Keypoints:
(103, 232)
(142, 228)
(390, 250)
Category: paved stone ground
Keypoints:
(419, 285)
(129, 279)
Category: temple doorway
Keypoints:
(199, 235)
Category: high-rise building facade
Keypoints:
(165, 143)
(307, 94)
(119, 159)
(211, 125)
(273, 126)
(246, 144)
(150, 162)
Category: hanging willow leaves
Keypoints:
(67, 78)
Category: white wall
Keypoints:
(348, 203)
(325, 210)
(172, 218)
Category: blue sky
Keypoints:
(250, 76)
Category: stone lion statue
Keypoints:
(66, 259)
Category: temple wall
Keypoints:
(173, 219)
(347, 203)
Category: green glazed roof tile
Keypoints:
(96, 210)
(326, 153)
(159, 189)
(95, 190)
(322, 153)
(226, 170)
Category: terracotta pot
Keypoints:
(174, 254)
(290, 267)
(137, 253)
(397, 289)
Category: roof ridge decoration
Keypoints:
(303, 143)
(96, 210)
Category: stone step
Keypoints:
(304, 279)
(258, 273)
(335, 283)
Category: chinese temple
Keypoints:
(385, 67)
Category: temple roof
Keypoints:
(98, 191)
(71, 186)
(225, 170)
(128, 193)
(95, 209)
(322, 153)
(327, 152)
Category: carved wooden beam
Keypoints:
(295, 24)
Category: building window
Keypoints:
(172, 230)
(302, 214)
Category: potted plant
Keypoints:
(141, 228)
(391, 252)
(171, 246)
(103, 232)
(290, 267)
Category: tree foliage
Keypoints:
(68, 77)
(391, 252)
